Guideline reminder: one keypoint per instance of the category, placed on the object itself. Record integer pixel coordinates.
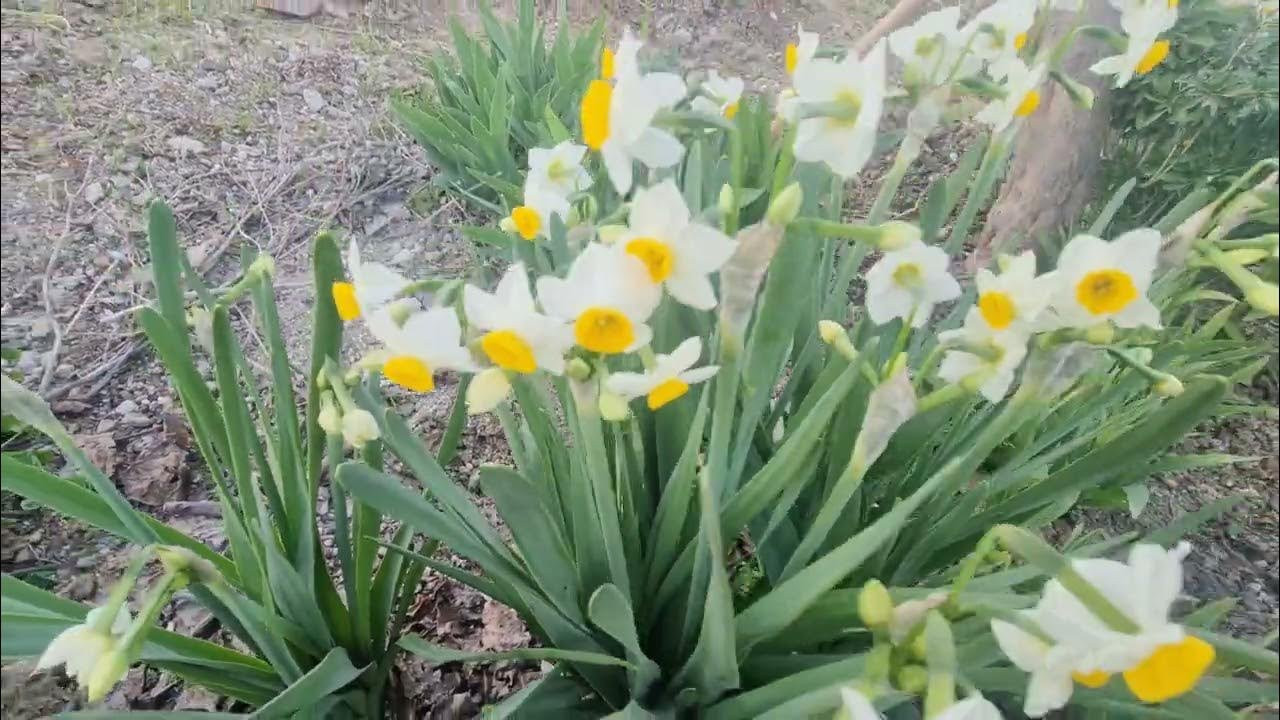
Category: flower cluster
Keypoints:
(1065, 640)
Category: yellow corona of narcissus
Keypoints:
(721, 96)
(801, 51)
(1021, 95)
(372, 286)
(607, 296)
(1015, 298)
(669, 378)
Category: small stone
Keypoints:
(126, 407)
(69, 407)
(184, 145)
(106, 425)
(208, 82)
(137, 420)
(86, 562)
(93, 192)
(314, 99)
(142, 63)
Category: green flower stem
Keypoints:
(832, 509)
(786, 161)
(940, 657)
(1261, 242)
(120, 591)
(1244, 180)
(929, 364)
(969, 567)
(339, 387)
(867, 234)
(1151, 374)
(240, 288)
(899, 344)
(424, 285)
(993, 159)
(736, 169)
(169, 583)
(942, 396)
(591, 443)
(341, 523)
(892, 180)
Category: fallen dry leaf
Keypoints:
(503, 629)
(154, 478)
(101, 449)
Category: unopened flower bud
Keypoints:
(785, 206)
(508, 225)
(359, 427)
(895, 235)
(1100, 334)
(833, 334)
(577, 369)
(488, 388)
(1265, 298)
(329, 418)
(177, 559)
(613, 407)
(1168, 386)
(913, 678)
(725, 203)
(1143, 355)
(875, 607)
(263, 266)
(917, 648)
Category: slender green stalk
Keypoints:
(988, 172)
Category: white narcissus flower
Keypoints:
(1049, 685)
(427, 341)
(931, 47)
(1099, 280)
(999, 32)
(617, 120)
(532, 219)
(559, 169)
(668, 380)
(677, 252)
(802, 51)
(517, 337)
(974, 707)
(84, 650)
(855, 89)
(372, 286)
(722, 96)
(1159, 661)
(607, 295)
(907, 283)
(856, 706)
(1022, 95)
(1007, 349)
(1014, 299)
(1142, 21)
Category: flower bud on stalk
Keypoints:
(359, 427)
(507, 225)
(263, 266)
(609, 234)
(913, 678)
(895, 235)
(613, 407)
(784, 207)
(181, 561)
(330, 417)
(488, 388)
(833, 334)
(725, 203)
(578, 369)
(875, 607)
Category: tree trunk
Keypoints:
(1057, 159)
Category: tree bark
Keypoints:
(1057, 159)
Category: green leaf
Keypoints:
(439, 654)
(326, 342)
(148, 715)
(1113, 206)
(329, 676)
(610, 610)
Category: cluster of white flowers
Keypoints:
(601, 307)
(1157, 658)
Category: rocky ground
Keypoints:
(261, 130)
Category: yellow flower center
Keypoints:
(730, 110)
(604, 330)
(606, 64)
(1019, 41)
(1103, 292)
(925, 46)
(508, 351)
(655, 255)
(595, 113)
(1173, 4)
(997, 309)
(409, 372)
(1093, 679)
(792, 58)
(1029, 103)
(344, 298)
(908, 275)
(527, 221)
(667, 391)
(1155, 55)
(1170, 671)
